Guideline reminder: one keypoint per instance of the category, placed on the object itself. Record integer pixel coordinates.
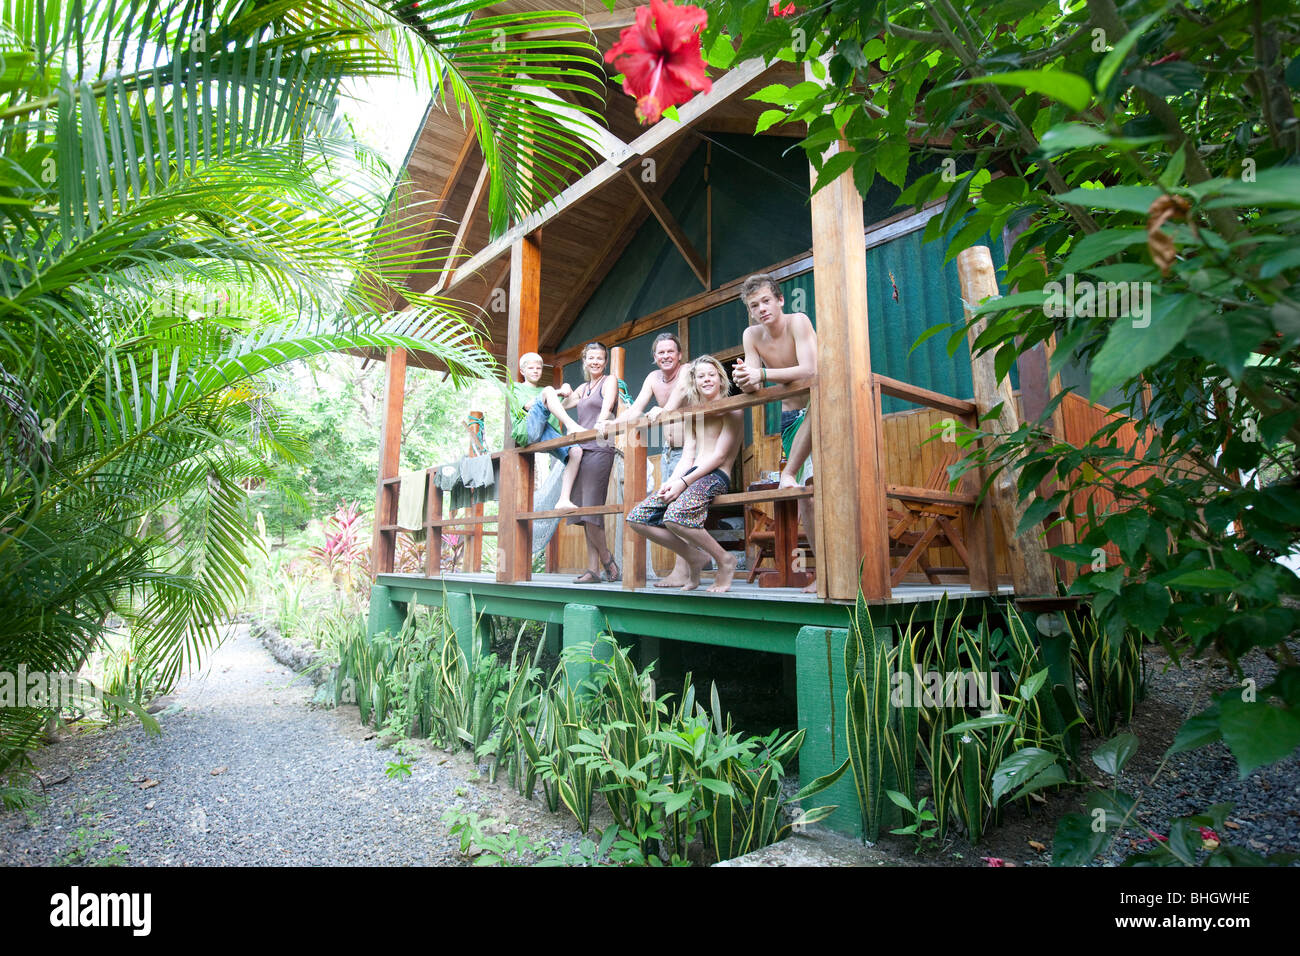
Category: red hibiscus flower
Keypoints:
(660, 58)
(780, 11)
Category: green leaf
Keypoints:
(1068, 88)
(1119, 198)
(1145, 606)
(1115, 753)
(1102, 245)
(899, 800)
(1279, 186)
(1204, 579)
(767, 119)
(1068, 136)
(1005, 189)
(1113, 60)
(1134, 344)
(1197, 731)
(981, 723)
(721, 52)
(1019, 770)
(1029, 689)
(834, 167)
(774, 93)
(1257, 732)
(1076, 841)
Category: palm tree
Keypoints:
(177, 218)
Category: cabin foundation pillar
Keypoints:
(463, 622)
(583, 624)
(821, 690)
(551, 638)
(386, 615)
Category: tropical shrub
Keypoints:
(182, 211)
(1145, 158)
(677, 780)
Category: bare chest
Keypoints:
(776, 352)
(662, 390)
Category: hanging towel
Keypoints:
(411, 499)
(477, 472)
(448, 477)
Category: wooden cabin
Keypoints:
(657, 235)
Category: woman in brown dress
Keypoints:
(586, 475)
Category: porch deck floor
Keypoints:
(740, 589)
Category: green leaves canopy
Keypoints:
(181, 210)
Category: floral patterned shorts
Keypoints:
(690, 508)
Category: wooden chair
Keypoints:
(924, 518)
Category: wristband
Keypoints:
(764, 373)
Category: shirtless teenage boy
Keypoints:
(674, 515)
(665, 385)
(780, 347)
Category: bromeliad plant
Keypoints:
(345, 555)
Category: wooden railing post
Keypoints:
(384, 543)
(634, 491)
(514, 537)
(1031, 569)
(474, 545)
(433, 539)
(850, 501)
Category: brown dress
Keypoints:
(597, 456)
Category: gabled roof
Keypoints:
(587, 226)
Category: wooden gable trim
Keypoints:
(726, 86)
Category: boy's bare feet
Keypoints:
(788, 481)
(565, 504)
(726, 573)
(810, 587)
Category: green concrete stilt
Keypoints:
(821, 683)
(386, 615)
(463, 620)
(582, 625)
(551, 638)
(648, 652)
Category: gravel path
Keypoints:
(248, 772)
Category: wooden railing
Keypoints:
(977, 548)
(631, 440)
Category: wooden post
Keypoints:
(515, 538)
(553, 546)
(474, 546)
(1031, 569)
(384, 543)
(850, 499)
(433, 539)
(634, 491)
